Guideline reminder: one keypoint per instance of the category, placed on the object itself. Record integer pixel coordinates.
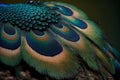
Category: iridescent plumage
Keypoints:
(54, 38)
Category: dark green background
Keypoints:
(104, 12)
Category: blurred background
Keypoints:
(103, 12)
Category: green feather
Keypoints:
(68, 69)
(82, 48)
(8, 55)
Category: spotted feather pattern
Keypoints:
(54, 38)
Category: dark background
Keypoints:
(104, 12)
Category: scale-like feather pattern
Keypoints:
(79, 49)
(92, 33)
(54, 38)
(57, 65)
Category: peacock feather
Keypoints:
(54, 38)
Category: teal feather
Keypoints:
(9, 37)
(39, 40)
(64, 10)
(80, 50)
(10, 41)
(65, 32)
(54, 38)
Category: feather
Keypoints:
(93, 34)
(56, 39)
(9, 44)
(65, 32)
(78, 46)
(47, 56)
(64, 8)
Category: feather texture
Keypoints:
(54, 38)
(10, 41)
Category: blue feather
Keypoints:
(43, 43)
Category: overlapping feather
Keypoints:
(60, 50)
(10, 44)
